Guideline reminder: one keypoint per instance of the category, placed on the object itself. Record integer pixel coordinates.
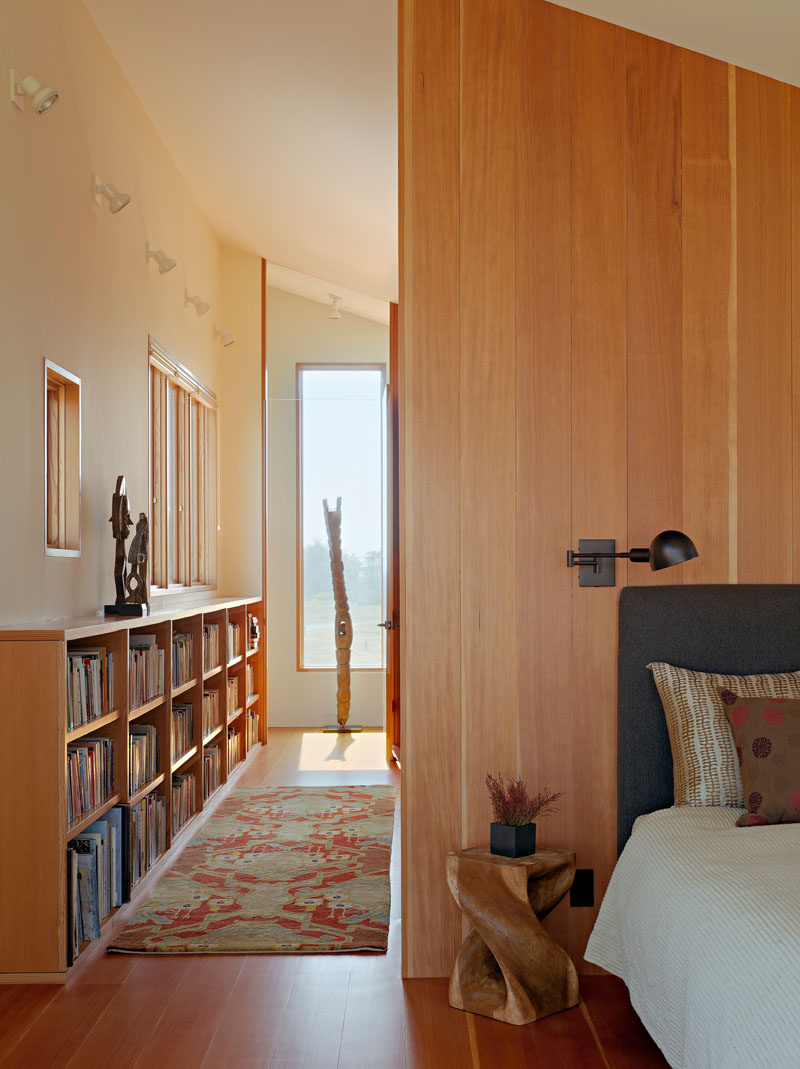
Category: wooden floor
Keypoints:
(345, 1010)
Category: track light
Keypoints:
(336, 302)
(42, 97)
(165, 263)
(224, 336)
(200, 306)
(116, 200)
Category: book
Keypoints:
(88, 894)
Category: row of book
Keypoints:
(182, 799)
(211, 718)
(181, 729)
(253, 632)
(90, 685)
(106, 861)
(182, 659)
(212, 770)
(143, 744)
(145, 670)
(251, 681)
(210, 646)
(90, 775)
(234, 640)
(94, 878)
(235, 754)
(233, 694)
(251, 727)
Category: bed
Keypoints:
(701, 919)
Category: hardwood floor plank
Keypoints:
(20, 1005)
(320, 998)
(436, 1034)
(56, 1033)
(374, 1024)
(625, 1041)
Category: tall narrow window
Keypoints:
(340, 455)
(183, 476)
(62, 437)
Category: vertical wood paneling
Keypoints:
(544, 423)
(763, 123)
(599, 466)
(795, 311)
(706, 298)
(653, 156)
(489, 38)
(431, 481)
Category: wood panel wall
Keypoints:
(598, 245)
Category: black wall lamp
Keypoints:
(595, 556)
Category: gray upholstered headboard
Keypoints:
(733, 629)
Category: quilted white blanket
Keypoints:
(702, 921)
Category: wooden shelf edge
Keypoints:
(144, 876)
(148, 707)
(184, 687)
(251, 700)
(212, 672)
(210, 798)
(183, 759)
(213, 734)
(182, 829)
(144, 791)
(252, 653)
(77, 826)
(235, 714)
(93, 725)
(236, 660)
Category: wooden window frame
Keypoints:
(299, 601)
(62, 462)
(197, 513)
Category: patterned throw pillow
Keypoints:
(766, 732)
(704, 763)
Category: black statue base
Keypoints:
(343, 730)
(127, 609)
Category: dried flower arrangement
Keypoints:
(512, 804)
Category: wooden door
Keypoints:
(392, 620)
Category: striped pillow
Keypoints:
(704, 762)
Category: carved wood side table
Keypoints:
(508, 967)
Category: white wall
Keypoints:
(298, 331)
(75, 287)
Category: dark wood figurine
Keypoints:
(132, 587)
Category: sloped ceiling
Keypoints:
(282, 117)
(761, 35)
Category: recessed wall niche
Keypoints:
(62, 461)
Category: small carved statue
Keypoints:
(343, 627)
(132, 586)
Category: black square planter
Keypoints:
(510, 841)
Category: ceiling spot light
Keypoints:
(336, 307)
(165, 263)
(116, 200)
(43, 98)
(200, 306)
(224, 336)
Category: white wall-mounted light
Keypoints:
(43, 98)
(336, 307)
(116, 200)
(200, 306)
(165, 263)
(224, 336)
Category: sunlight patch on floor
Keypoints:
(364, 751)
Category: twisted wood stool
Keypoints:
(508, 967)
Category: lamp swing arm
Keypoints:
(640, 555)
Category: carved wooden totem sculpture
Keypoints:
(343, 625)
(132, 586)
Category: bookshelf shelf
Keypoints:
(252, 653)
(184, 759)
(251, 701)
(37, 677)
(93, 725)
(148, 787)
(235, 714)
(184, 687)
(148, 707)
(89, 818)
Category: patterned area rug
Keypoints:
(277, 870)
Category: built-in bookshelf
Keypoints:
(120, 734)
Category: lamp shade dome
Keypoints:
(671, 547)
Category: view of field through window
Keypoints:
(341, 457)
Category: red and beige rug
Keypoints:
(277, 870)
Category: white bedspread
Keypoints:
(702, 921)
